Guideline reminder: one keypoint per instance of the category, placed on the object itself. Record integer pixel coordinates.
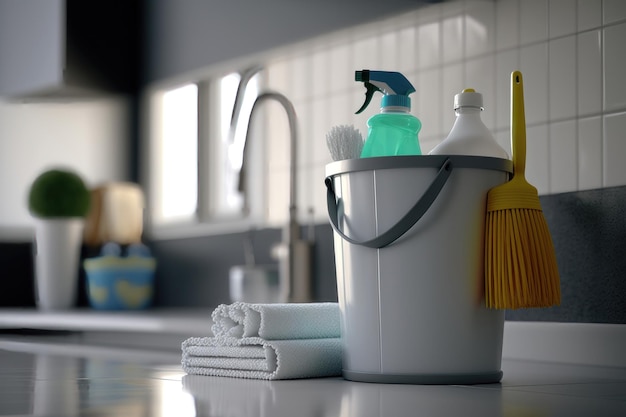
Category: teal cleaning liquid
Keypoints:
(394, 131)
(391, 134)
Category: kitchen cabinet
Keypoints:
(68, 48)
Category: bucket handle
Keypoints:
(405, 223)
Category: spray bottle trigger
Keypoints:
(371, 89)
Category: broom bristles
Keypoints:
(520, 265)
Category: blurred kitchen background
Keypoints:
(155, 105)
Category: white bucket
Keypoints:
(409, 253)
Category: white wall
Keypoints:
(571, 52)
(91, 137)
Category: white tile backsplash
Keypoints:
(573, 69)
(613, 11)
(589, 14)
(365, 53)
(452, 84)
(340, 110)
(538, 157)
(614, 67)
(480, 29)
(590, 153)
(533, 21)
(453, 37)
(479, 75)
(535, 69)
(589, 73)
(562, 78)
(320, 66)
(407, 49)
(430, 103)
(278, 75)
(429, 45)
(318, 153)
(300, 69)
(342, 78)
(562, 15)
(563, 160)
(389, 50)
(614, 148)
(506, 63)
(507, 24)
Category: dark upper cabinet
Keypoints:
(69, 48)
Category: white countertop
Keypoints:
(121, 363)
(166, 320)
(156, 329)
(44, 379)
(164, 329)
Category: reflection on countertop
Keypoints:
(44, 378)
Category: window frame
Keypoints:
(205, 221)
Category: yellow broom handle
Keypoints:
(518, 124)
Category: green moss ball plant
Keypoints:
(58, 193)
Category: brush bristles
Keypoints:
(520, 262)
(344, 142)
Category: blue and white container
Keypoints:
(116, 282)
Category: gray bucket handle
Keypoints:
(405, 223)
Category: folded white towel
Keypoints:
(254, 357)
(268, 341)
(277, 321)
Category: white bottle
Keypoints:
(469, 135)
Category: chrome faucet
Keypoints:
(294, 253)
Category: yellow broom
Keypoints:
(520, 263)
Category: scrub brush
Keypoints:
(344, 142)
(520, 262)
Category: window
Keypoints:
(178, 155)
(195, 158)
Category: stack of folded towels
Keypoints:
(268, 341)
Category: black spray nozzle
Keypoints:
(393, 85)
(371, 89)
(364, 76)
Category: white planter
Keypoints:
(57, 256)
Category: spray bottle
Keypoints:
(394, 130)
(469, 135)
